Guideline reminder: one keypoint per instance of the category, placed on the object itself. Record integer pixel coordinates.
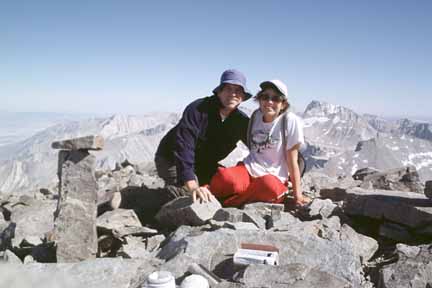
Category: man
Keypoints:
(208, 131)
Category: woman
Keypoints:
(263, 175)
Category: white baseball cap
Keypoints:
(278, 84)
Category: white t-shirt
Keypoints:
(266, 151)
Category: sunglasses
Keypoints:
(266, 97)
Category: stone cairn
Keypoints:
(75, 218)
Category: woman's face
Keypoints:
(271, 104)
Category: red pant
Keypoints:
(235, 187)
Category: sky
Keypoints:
(137, 56)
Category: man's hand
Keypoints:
(202, 194)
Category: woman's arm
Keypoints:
(294, 174)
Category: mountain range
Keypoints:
(339, 141)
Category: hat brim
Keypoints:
(248, 95)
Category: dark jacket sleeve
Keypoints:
(186, 139)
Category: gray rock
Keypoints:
(9, 257)
(240, 226)
(290, 275)
(234, 215)
(400, 179)
(83, 143)
(183, 211)
(260, 213)
(406, 208)
(413, 269)
(107, 186)
(428, 189)
(319, 208)
(7, 232)
(153, 243)
(97, 273)
(75, 222)
(363, 172)
(363, 246)
(395, 232)
(121, 232)
(117, 219)
(134, 248)
(33, 221)
(281, 221)
(316, 244)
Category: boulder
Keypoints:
(321, 244)
(7, 233)
(399, 179)
(360, 174)
(290, 275)
(9, 257)
(33, 221)
(83, 143)
(320, 209)
(75, 221)
(183, 211)
(97, 273)
(407, 208)
(134, 248)
(234, 215)
(413, 268)
(117, 219)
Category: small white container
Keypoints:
(195, 281)
(160, 279)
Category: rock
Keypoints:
(183, 211)
(406, 208)
(317, 244)
(314, 181)
(9, 257)
(134, 248)
(121, 232)
(395, 232)
(33, 221)
(413, 269)
(107, 187)
(240, 226)
(320, 209)
(261, 213)
(290, 275)
(363, 246)
(400, 179)
(153, 243)
(117, 219)
(7, 232)
(234, 215)
(75, 222)
(281, 221)
(97, 273)
(360, 174)
(82, 143)
(428, 189)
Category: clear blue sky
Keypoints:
(141, 56)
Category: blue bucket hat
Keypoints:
(233, 76)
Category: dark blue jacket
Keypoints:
(201, 139)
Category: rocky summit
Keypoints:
(89, 211)
(370, 230)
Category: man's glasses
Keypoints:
(266, 97)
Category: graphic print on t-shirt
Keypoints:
(263, 139)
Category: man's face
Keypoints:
(231, 96)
